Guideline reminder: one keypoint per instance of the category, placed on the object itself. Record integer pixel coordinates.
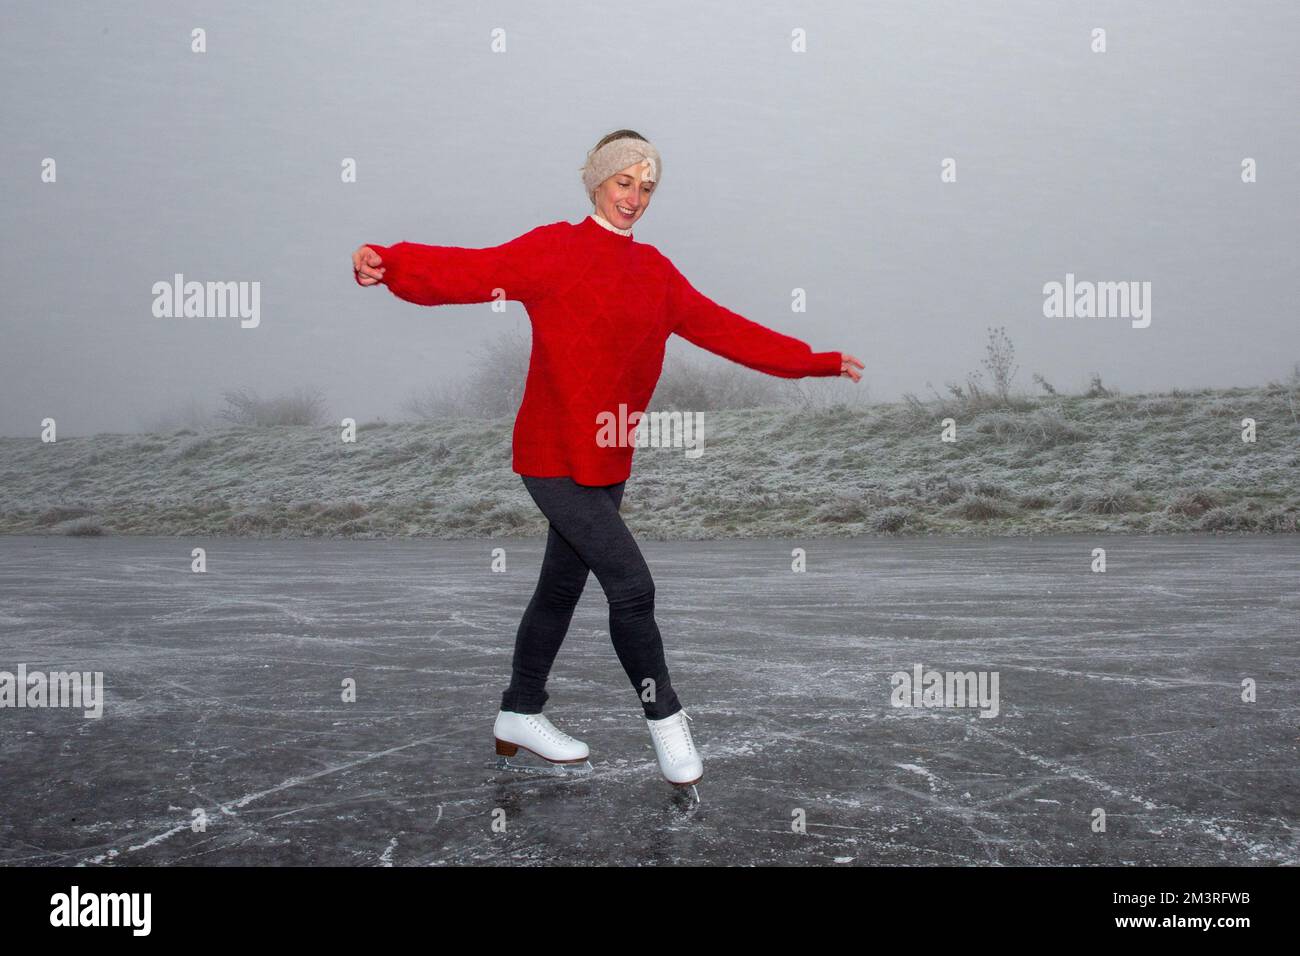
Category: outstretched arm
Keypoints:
(521, 269)
(710, 326)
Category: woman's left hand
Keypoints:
(846, 366)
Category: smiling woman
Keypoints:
(620, 178)
(602, 307)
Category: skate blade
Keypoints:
(536, 765)
(687, 794)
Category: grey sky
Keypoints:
(817, 170)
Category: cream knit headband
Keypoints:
(617, 155)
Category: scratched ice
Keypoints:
(226, 739)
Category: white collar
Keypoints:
(609, 225)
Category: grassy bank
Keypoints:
(1147, 463)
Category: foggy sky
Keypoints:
(817, 170)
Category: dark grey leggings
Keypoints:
(587, 534)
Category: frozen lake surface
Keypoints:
(1119, 691)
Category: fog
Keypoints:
(782, 170)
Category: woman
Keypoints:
(602, 307)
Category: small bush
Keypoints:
(981, 508)
(1042, 428)
(493, 388)
(1122, 405)
(248, 522)
(441, 400)
(514, 516)
(1107, 500)
(1289, 390)
(943, 491)
(826, 395)
(844, 508)
(85, 528)
(1279, 520)
(999, 355)
(1192, 504)
(197, 449)
(348, 511)
(360, 526)
(1161, 406)
(1096, 389)
(1228, 519)
(60, 513)
(244, 407)
(695, 385)
(892, 520)
(1162, 524)
(1034, 502)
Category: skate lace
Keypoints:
(548, 729)
(669, 738)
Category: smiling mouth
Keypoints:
(628, 213)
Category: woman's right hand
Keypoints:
(366, 264)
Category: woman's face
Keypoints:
(622, 198)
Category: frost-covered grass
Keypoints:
(1134, 463)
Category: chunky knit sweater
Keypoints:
(602, 306)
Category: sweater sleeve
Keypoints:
(711, 326)
(522, 269)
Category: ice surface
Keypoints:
(1118, 691)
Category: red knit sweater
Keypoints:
(602, 307)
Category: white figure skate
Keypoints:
(554, 752)
(678, 758)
